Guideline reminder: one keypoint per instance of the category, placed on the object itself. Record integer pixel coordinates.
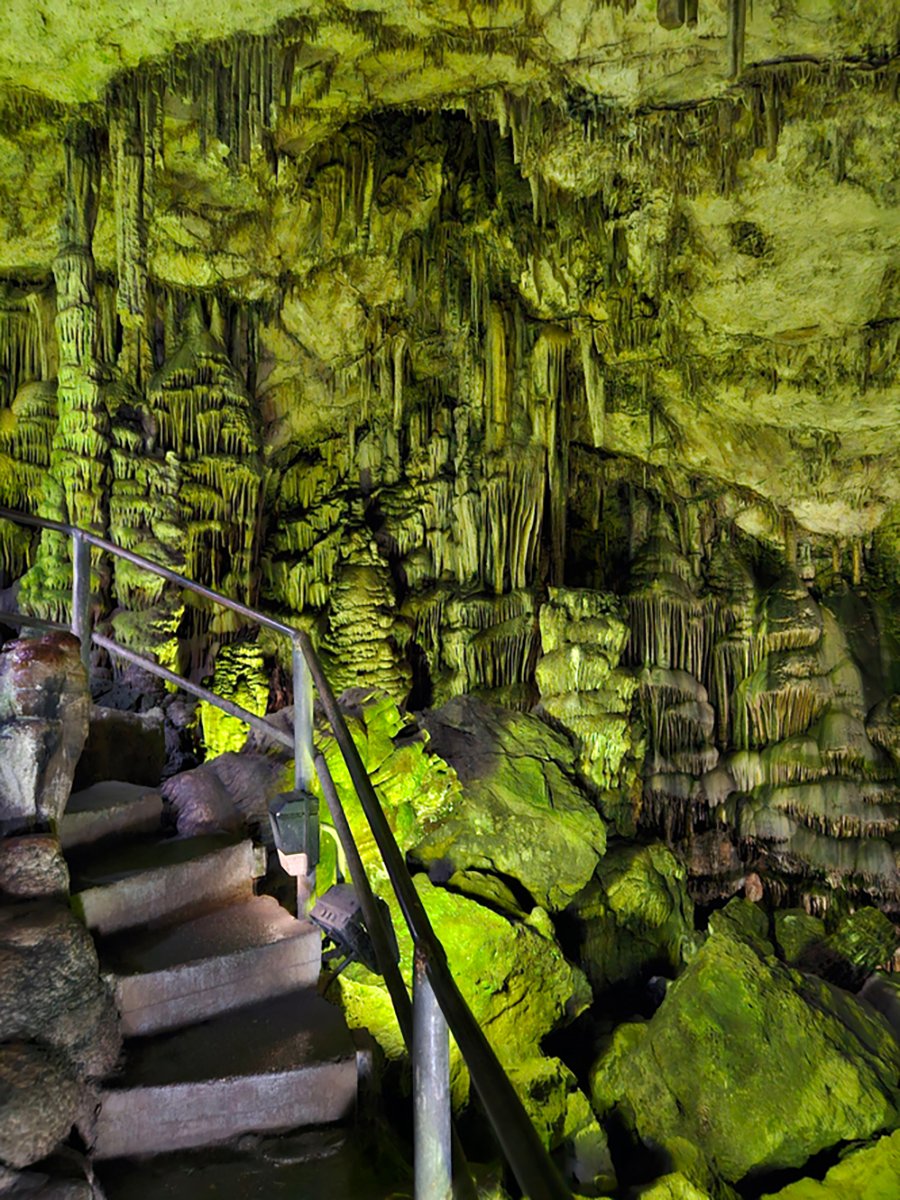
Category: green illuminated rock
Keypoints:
(496, 963)
(524, 814)
(239, 677)
(672, 1187)
(693, 1071)
(872, 1173)
(636, 917)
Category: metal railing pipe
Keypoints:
(432, 1158)
(147, 564)
(303, 719)
(463, 1187)
(14, 620)
(81, 594)
(524, 1151)
(381, 940)
(234, 710)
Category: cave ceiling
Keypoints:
(755, 213)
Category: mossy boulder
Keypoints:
(860, 943)
(523, 813)
(797, 933)
(416, 788)
(512, 974)
(755, 1063)
(672, 1187)
(636, 917)
(872, 1173)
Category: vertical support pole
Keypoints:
(303, 760)
(81, 596)
(431, 1091)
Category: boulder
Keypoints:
(565, 1122)
(636, 917)
(51, 989)
(32, 866)
(863, 941)
(35, 1185)
(758, 1065)
(674, 1186)
(40, 1101)
(512, 974)
(872, 1173)
(44, 707)
(226, 793)
(523, 813)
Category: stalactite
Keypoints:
(77, 490)
(132, 121)
(737, 22)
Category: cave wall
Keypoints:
(563, 388)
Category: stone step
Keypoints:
(210, 964)
(161, 880)
(278, 1065)
(109, 809)
(334, 1163)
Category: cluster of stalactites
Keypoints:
(75, 488)
(777, 747)
(186, 488)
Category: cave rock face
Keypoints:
(44, 714)
(758, 1065)
(524, 815)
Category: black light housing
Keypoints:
(294, 817)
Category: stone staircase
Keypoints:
(225, 1033)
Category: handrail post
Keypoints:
(81, 595)
(303, 761)
(431, 1090)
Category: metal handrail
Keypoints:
(530, 1162)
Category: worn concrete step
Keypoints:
(331, 1163)
(281, 1064)
(109, 809)
(161, 880)
(210, 964)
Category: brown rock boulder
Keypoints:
(33, 866)
(50, 987)
(44, 711)
(40, 1101)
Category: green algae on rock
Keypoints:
(692, 1071)
(869, 1173)
(636, 917)
(525, 815)
(496, 962)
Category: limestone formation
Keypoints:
(539, 361)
